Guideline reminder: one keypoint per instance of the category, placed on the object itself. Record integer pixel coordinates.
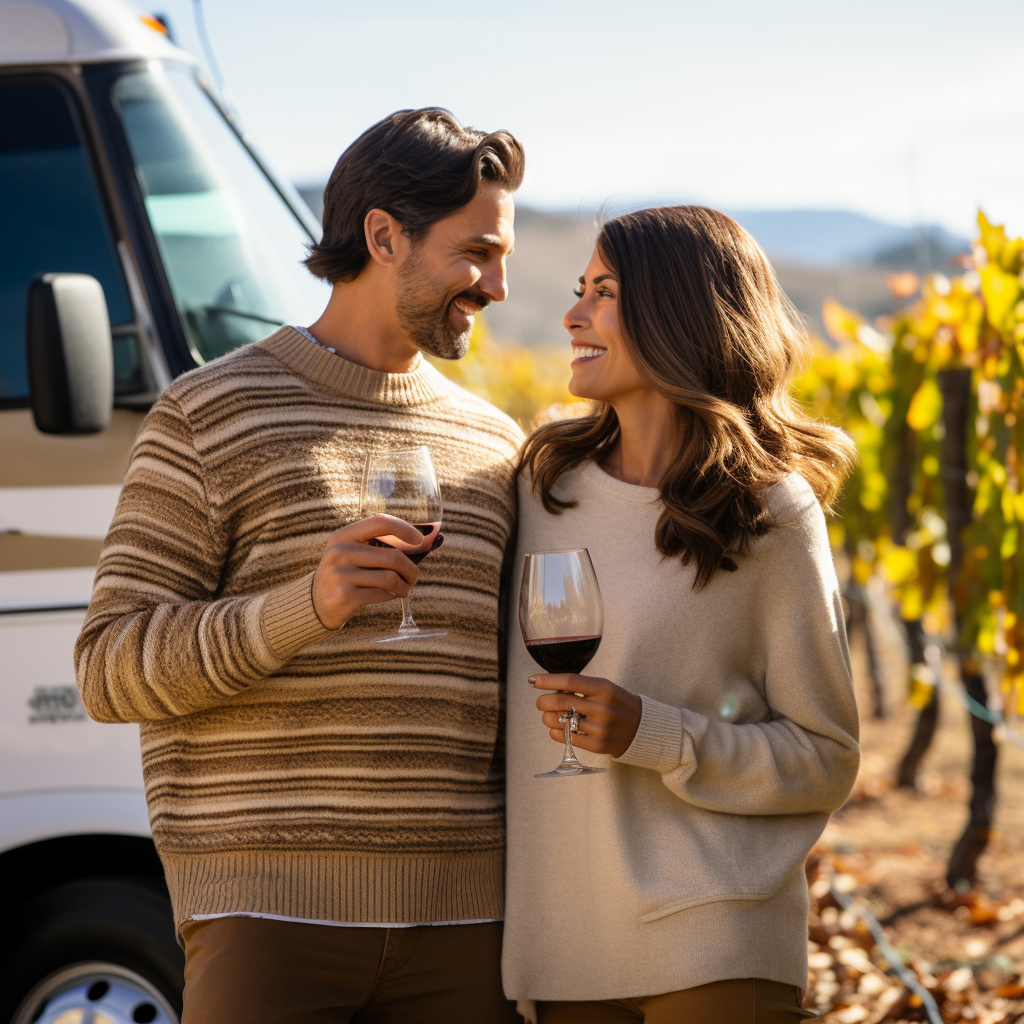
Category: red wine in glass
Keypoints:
(562, 618)
(403, 484)
(564, 653)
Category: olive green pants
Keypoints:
(739, 1001)
(243, 970)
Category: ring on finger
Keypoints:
(573, 718)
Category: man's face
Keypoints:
(454, 271)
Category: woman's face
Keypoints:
(601, 368)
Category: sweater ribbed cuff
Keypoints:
(658, 743)
(289, 620)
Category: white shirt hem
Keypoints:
(343, 924)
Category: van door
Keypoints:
(57, 494)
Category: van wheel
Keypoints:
(101, 945)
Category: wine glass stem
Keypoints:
(408, 625)
(569, 757)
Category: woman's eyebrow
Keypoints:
(604, 277)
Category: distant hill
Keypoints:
(816, 254)
(823, 237)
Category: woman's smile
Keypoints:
(582, 353)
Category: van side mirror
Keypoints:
(70, 354)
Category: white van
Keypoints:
(139, 237)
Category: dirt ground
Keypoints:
(887, 849)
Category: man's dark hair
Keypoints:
(419, 166)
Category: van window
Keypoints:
(52, 221)
(231, 246)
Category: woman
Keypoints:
(671, 887)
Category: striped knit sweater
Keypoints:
(289, 769)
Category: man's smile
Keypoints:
(469, 306)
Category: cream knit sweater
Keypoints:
(683, 864)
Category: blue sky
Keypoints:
(904, 110)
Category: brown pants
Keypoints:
(242, 970)
(742, 1001)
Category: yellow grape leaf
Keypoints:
(1007, 506)
(920, 694)
(911, 603)
(986, 642)
(1000, 291)
(1010, 257)
(899, 564)
(876, 481)
(862, 570)
(1008, 545)
(1013, 687)
(993, 236)
(840, 322)
(925, 406)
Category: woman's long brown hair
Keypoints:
(705, 322)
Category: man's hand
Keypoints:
(353, 573)
(609, 715)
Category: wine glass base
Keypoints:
(410, 634)
(571, 770)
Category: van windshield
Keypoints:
(231, 246)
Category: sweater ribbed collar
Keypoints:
(597, 477)
(420, 384)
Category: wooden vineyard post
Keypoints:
(955, 385)
(858, 617)
(928, 716)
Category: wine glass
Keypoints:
(403, 484)
(562, 618)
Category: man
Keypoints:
(318, 799)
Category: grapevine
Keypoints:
(937, 516)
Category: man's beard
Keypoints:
(426, 318)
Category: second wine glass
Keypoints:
(562, 618)
(403, 484)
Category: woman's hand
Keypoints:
(609, 715)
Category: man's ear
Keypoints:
(382, 234)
